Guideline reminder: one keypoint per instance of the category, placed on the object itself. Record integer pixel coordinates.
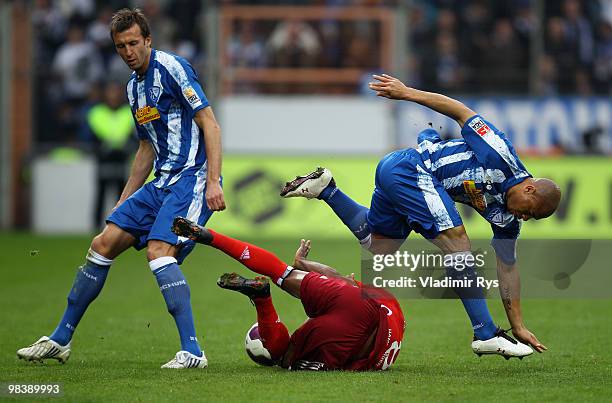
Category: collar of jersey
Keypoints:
(151, 58)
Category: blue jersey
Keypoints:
(164, 101)
(477, 170)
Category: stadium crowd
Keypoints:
(465, 46)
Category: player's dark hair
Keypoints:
(125, 18)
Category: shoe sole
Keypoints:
(248, 287)
(41, 360)
(297, 182)
(183, 227)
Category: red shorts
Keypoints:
(341, 321)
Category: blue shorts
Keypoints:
(408, 197)
(149, 212)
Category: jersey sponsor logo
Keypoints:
(476, 197)
(146, 114)
(154, 93)
(191, 95)
(479, 126)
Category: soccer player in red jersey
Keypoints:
(350, 326)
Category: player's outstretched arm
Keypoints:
(509, 288)
(205, 119)
(301, 263)
(141, 168)
(392, 88)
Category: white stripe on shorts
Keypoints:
(434, 201)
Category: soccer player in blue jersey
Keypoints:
(416, 189)
(180, 139)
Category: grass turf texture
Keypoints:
(127, 334)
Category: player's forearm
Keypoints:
(212, 139)
(141, 168)
(308, 265)
(510, 292)
(440, 103)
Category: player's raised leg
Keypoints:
(87, 285)
(253, 257)
(274, 334)
(320, 184)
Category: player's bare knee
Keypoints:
(453, 240)
(102, 245)
(157, 249)
(381, 245)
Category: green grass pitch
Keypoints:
(127, 334)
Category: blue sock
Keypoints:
(87, 285)
(176, 293)
(352, 214)
(473, 298)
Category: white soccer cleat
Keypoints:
(309, 186)
(184, 359)
(501, 344)
(44, 349)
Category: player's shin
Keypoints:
(253, 257)
(460, 268)
(177, 295)
(352, 214)
(87, 285)
(273, 332)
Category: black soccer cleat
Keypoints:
(253, 288)
(189, 229)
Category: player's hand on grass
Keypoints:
(525, 336)
(214, 197)
(302, 252)
(389, 87)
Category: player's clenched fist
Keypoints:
(214, 197)
(389, 87)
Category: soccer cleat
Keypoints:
(501, 344)
(309, 186)
(189, 229)
(184, 359)
(255, 288)
(44, 349)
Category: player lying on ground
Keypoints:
(350, 327)
(416, 189)
(180, 137)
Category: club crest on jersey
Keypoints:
(146, 114)
(496, 216)
(191, 96)
(154, 93)
(476, 197)
(479, 126)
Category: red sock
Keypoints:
(255, 258)
(273, 332)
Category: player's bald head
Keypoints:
(548, 195)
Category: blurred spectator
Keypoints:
(293, 43)
(246, 48)
(504, 65)
(111, 125)
(602, 62)
(562, 54)
(78, 65)
(441, 70)
(577, 31)
(361, 50)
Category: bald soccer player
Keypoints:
(416, 190)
